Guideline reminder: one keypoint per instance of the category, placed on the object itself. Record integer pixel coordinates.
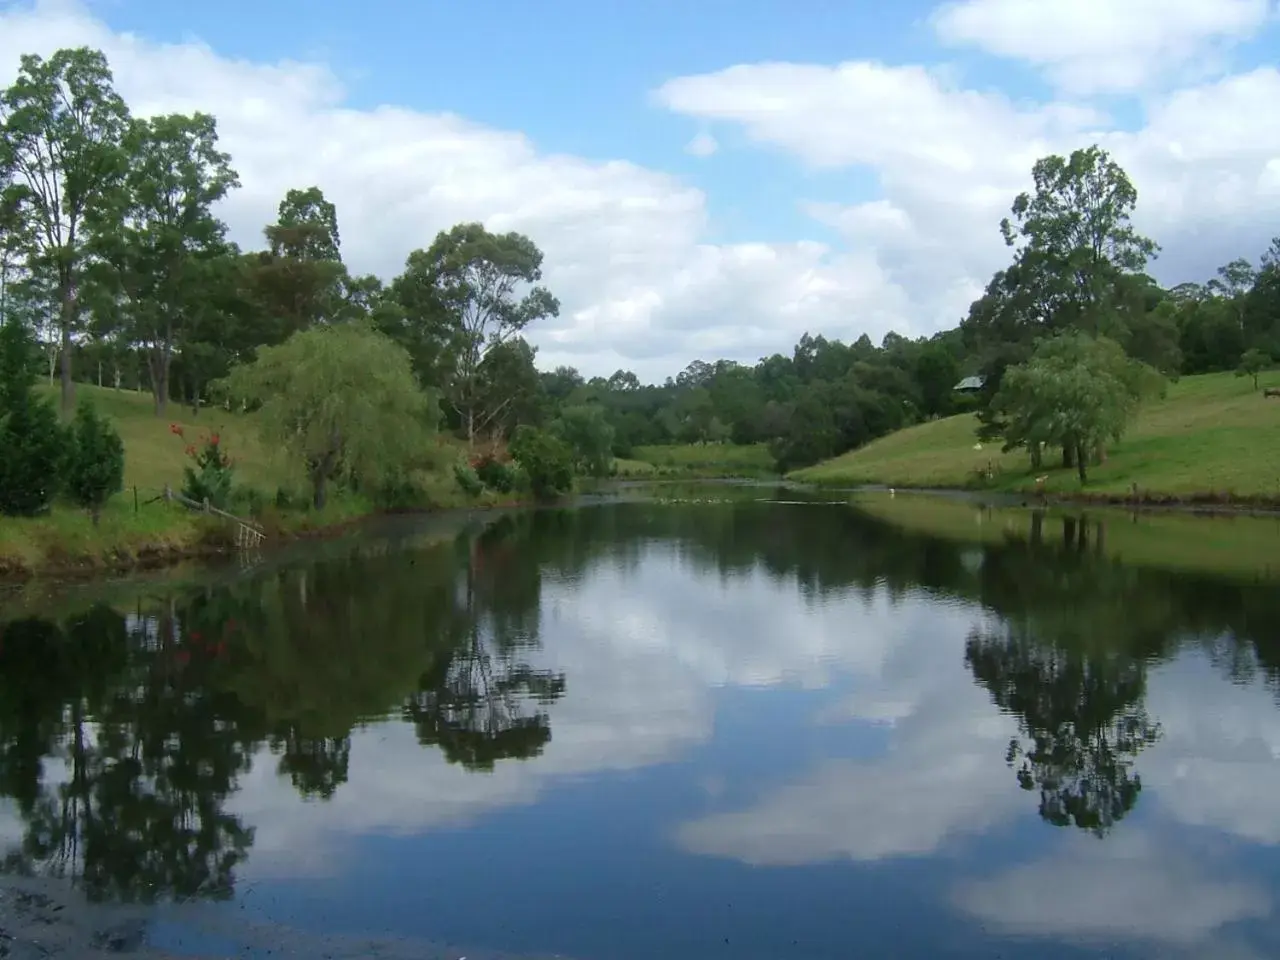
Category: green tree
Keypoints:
(1252, 363)
(95, 467)
(61, 126)
(476, 276)
(342, 399)
(176, 175)
(1077, 392)
(1076, 224)
(589, 434)
(546, 460)
(298, 281)
(33, 445)
(510, 387)
(936, 372)
(306, 228)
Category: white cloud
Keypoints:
(703, 145)
(626, 247)
(1132, 887)
(949, 161)
(639, 688)
(942, 776)
(1217, 764)
(1091, 46)
(624, 251)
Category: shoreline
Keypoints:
(206, 540)
(1204, 503)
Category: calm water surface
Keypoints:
(667, 730)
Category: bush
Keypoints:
(33, 454)
(401, 493)
(495, 474)
(33, 444)
(467, 479)
(95, 466)
(212, 474)
(546, 459)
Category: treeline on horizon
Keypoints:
(128, 279)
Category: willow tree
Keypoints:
(1077, 392)
(342, 399)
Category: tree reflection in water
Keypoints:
(123, 735)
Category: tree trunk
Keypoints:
(68, 385)
(319, 480)
(65, 322)
(96, 513)
(1037, 456)
(1082, 464)
(159, 363)
(320, 470)
(1068, 456)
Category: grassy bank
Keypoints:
(138, 530)
(704, 460)
(1233, 546)
(1213, 438)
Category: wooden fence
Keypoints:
(248, 534)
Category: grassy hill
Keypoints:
(154, 456)
(141, 531)
(1212, 436)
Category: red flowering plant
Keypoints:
(493, 468)
(209, 475)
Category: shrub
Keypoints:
(33, 444)
(467, 479)
(212, 472)
(495, 474)
(401, 493)
(95, 466)
(546, 459)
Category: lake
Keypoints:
(732, 722)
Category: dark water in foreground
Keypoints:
(656, 730)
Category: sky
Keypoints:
(712, 179)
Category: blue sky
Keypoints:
(577, 75)
(910, 126)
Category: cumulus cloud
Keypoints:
(640, 690)
(1218, 761)
(943, 774)
(626, 246)
(1133, 887)
(703, 145)
(624, 251)
(1092, 46)
(949, 160)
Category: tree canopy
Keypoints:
(340, 399)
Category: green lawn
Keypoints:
(1212, 435)
(706, 460)
(154, 456)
